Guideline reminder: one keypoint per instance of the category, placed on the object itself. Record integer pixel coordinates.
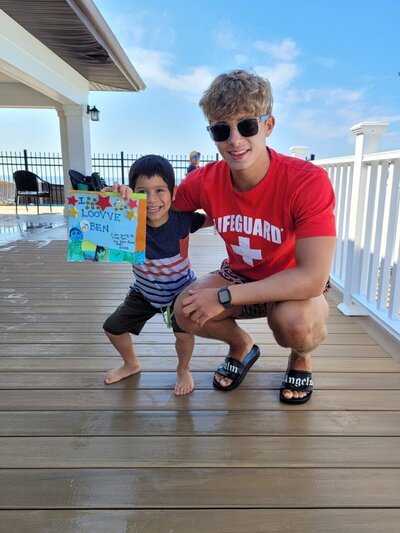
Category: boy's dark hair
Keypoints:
(152, 165)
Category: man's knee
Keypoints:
(184, 322)
(300, 334)
(295, 326)
(303, 331)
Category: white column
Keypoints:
(298, 151)
(368, 140)
(75, 140)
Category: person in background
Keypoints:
(194, 158)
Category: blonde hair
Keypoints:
(237, 92)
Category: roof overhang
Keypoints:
(76, 31)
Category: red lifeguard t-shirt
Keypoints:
(294, 200)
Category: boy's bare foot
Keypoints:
(124, 371)
(184, 383)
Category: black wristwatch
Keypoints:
(224, 297)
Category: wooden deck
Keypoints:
(77, 455)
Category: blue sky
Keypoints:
(331, 65)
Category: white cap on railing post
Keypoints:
(298, 151)
(369, 135)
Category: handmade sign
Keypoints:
(104, 227)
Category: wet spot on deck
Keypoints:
(13, 229)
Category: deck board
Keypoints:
(199, 452)
(238, 521)
(149, 399)
(78, 455)
(227, 423)
(184, 488)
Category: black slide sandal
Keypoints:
(236, 370)
(297, 380)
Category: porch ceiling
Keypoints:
(76, 31)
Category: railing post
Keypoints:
(26, 159)
(122, 169)
(298, 151)
(368, 139)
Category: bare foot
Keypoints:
(184, 383)
(124, 371)
(298, 362)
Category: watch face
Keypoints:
(224, 296)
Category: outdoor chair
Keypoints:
(27, 186)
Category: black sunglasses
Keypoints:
(247, 128)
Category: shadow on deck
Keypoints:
(80, 456)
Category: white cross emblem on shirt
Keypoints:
(245, 251)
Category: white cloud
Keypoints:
(315, 125)
(324, 114)
(327, 97)
(241, 59)
(225, 37)
(155, 67)
(281, 75)
(320, 115)
(386, 118)
(285, 50)
(136, 28)
(283, 70)
(293, 96)
(332, 96)
(344, 95)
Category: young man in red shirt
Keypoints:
(275, 214)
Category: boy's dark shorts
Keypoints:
(132, 315)
(250, 310)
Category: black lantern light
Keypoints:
(93, 112)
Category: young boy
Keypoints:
(165, 273)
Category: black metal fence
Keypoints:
(111, 167)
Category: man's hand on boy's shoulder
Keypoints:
(124, 190)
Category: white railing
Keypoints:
(366, 266)
(7, 193)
